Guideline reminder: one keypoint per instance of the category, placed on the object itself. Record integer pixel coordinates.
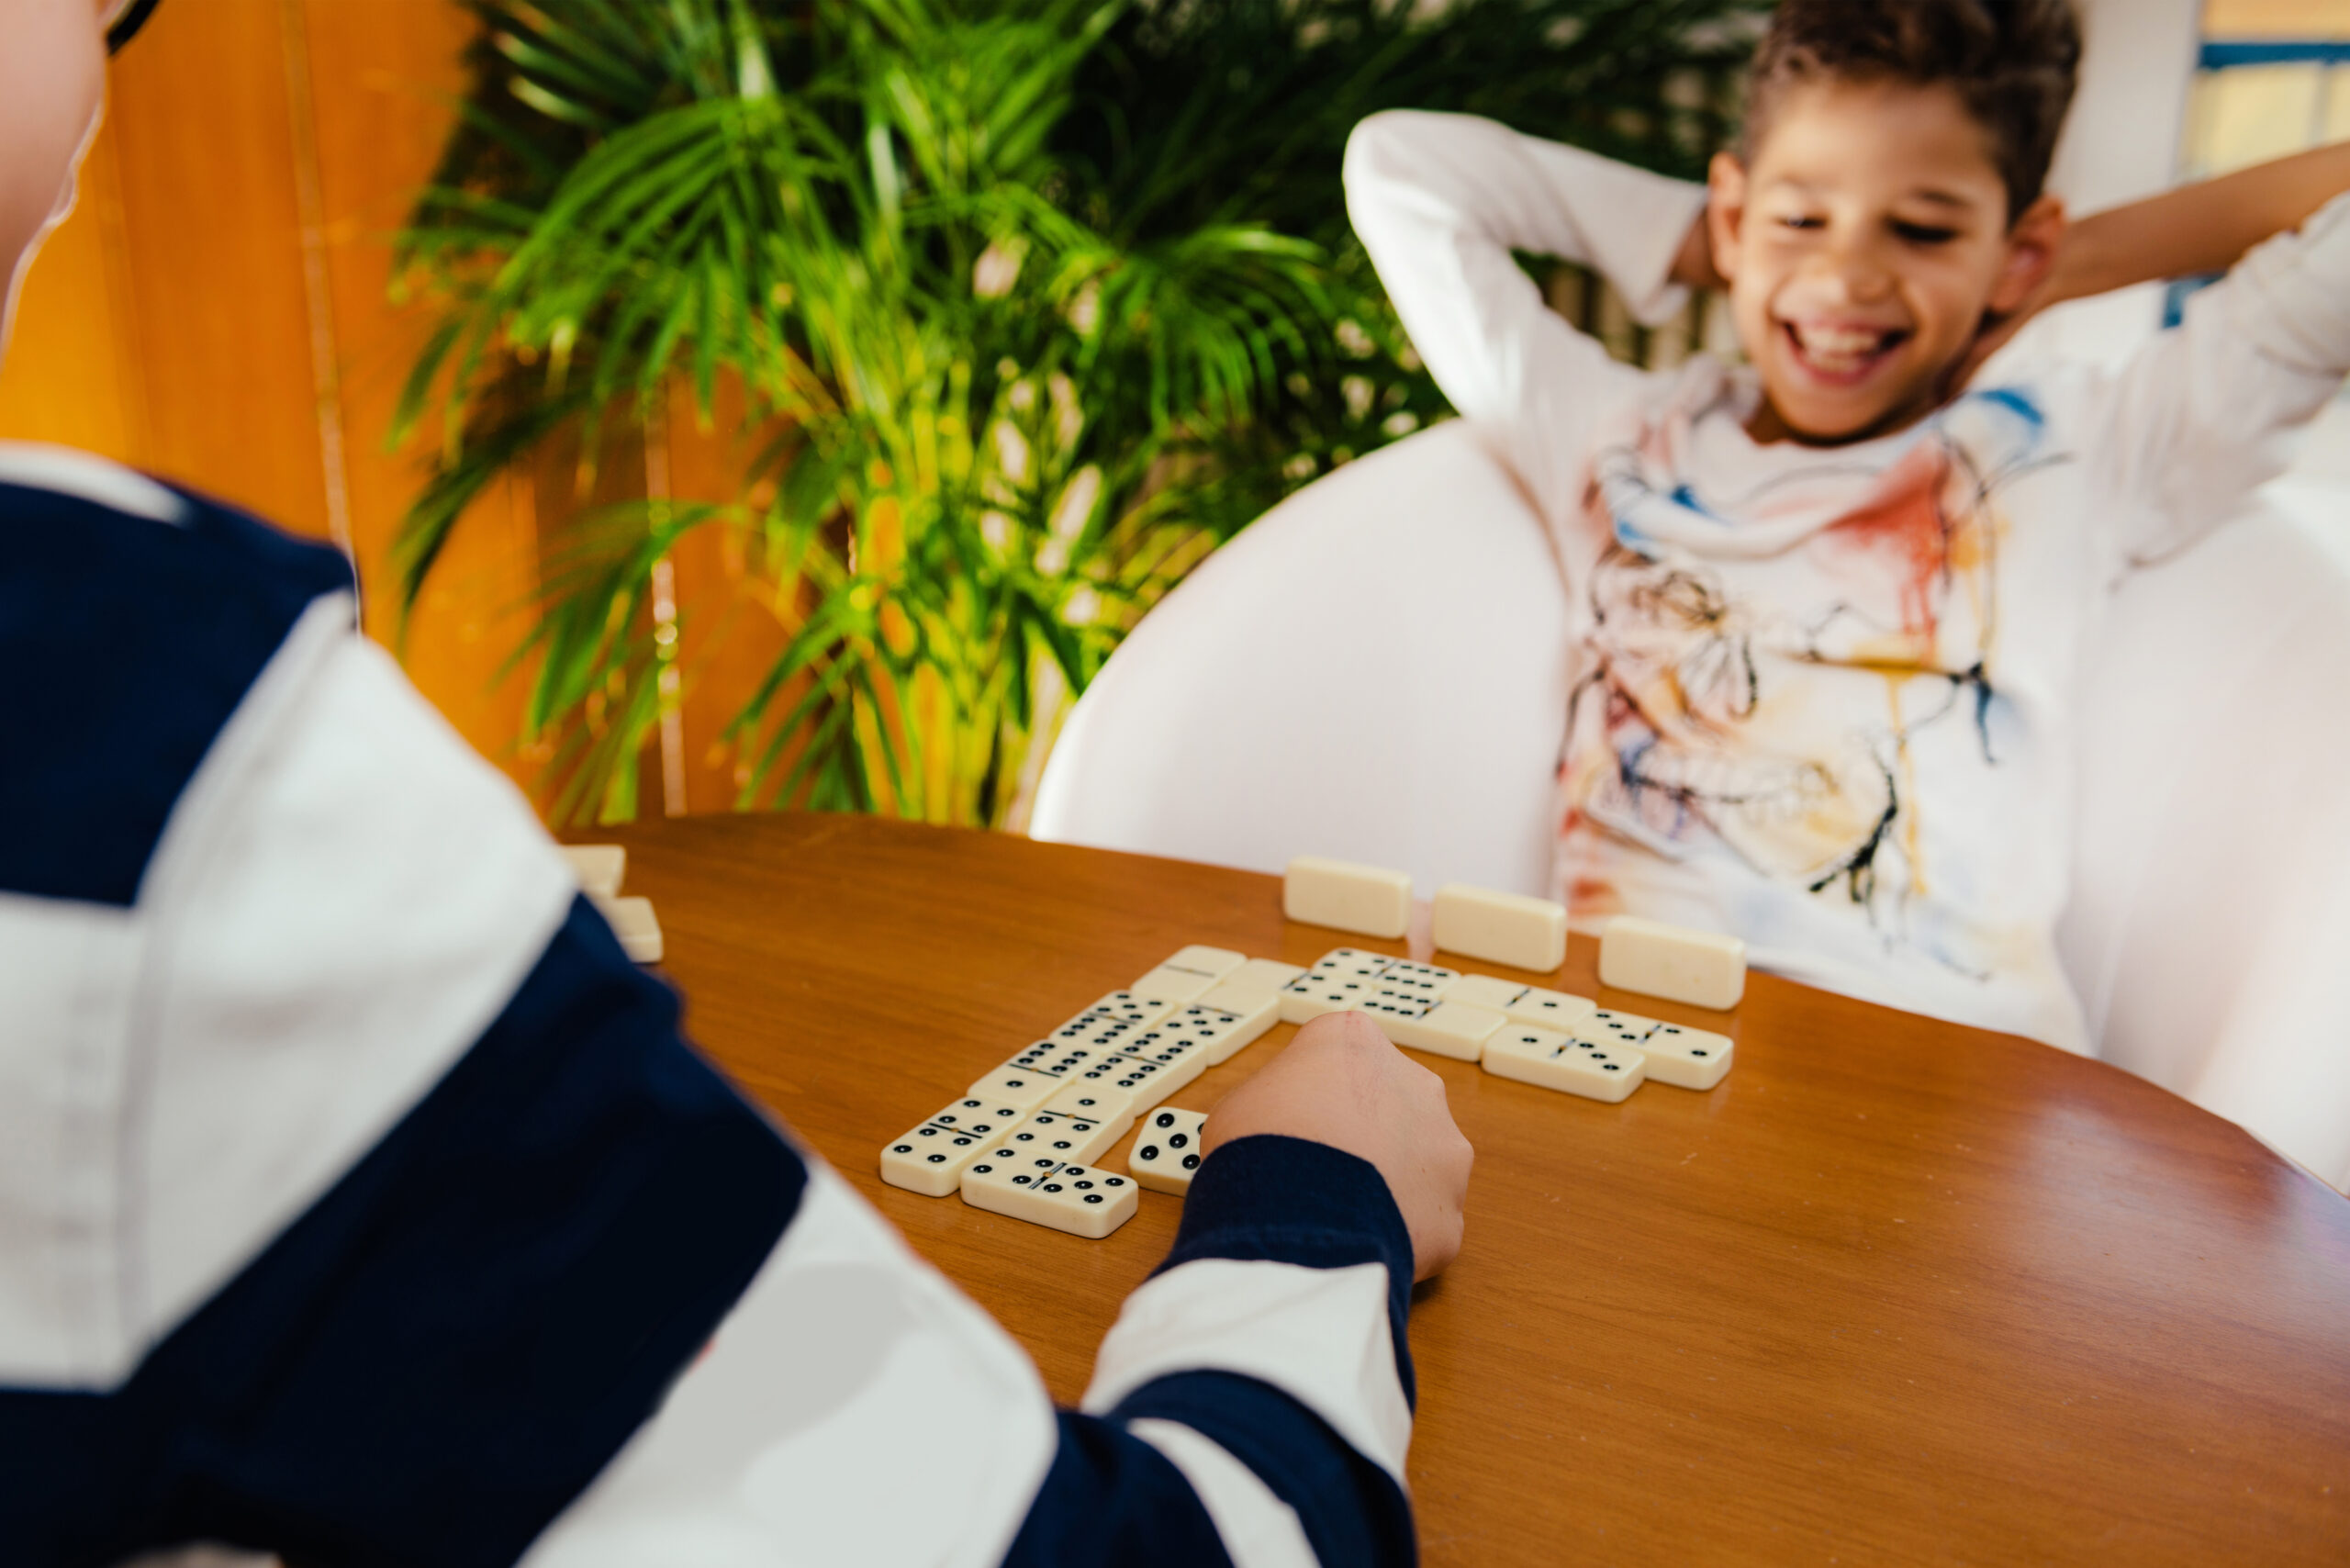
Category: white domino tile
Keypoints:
(931, 1158)
(1703, 968)
(1166, 1149)
(1022, 1086)
(1217, 963)
(1072, 1196)
(1525, 1003)
(1309, 996)
(1452, 1029)
(1094, 1100)
(1340, 980)
(1369, 898)
(1505, 929)
(1178, 986)
(600, 867)
(1428, 982)
(1247, 1015)
(633, 922)
(1686, 1057)
(1550, 1060)
(1265, 976)
(1064, 1137)
(1606, 1026)
(1179, 1054)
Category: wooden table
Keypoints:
(1895, 1292)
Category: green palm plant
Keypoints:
(1033, 303)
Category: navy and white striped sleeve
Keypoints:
(361, 1203)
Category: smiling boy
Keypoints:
(1828, 609)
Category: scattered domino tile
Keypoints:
(1096, 1101)
(1020, 1087)
(1246, 1013)
(1700, 967)
(1309, 996)
(1548, 1060)
(1136, 1007)
(930, 1159)
(1425, 980)
(1338, 980)
(631, 920)
(1265, 976)
(1454, 1029)
(1178, 986)
(1369, 898)
(1073, 1197)
(1179, 1054)
(1508, 928)
(597, 867)
(1686, 1057)
(1213, 962)
(1167, 1150)
(1605, 1026)
(1063, 1137)
(1525, 1003)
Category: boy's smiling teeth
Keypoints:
(1837, 349)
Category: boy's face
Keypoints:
(1862, 249)
(52, 79)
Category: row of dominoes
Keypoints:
(1023, 1138)
(1702, 968)
(1544, 1038)
(600, 867)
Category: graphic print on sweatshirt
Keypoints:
(1758, 674)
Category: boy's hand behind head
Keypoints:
(1341, 1083)
(1888, 203)
(52, 82)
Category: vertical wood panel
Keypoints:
(384, 75)
(205, 139)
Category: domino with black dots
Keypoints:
(1167, 1149)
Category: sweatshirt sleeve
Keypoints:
(1441, 201)
(2213, 408)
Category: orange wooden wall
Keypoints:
(216, 311)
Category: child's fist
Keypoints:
(1341, 1083)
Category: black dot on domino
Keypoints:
(1148, 1151)
(1085, 1186)
(981, 1170)
(1696, 1050)
(1177, 1141)
(903, 1148)
(1164, 1119)
(1052, 1186)
(1092, 1197)
(1022, 1181)
(938, 1159)
(1115, 1181)
(1191, 1162)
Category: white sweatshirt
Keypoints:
(1824, 699)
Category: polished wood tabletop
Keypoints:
(1895, 1292)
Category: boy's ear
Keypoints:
(2032, 245)
(1725, 210)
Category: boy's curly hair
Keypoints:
(2012, 62)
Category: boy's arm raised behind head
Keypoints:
(2203, 228)
(1441, 201)
(2209, 411)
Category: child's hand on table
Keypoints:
(1340, 1083)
